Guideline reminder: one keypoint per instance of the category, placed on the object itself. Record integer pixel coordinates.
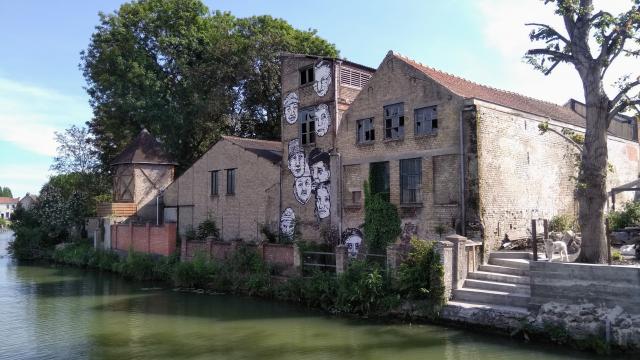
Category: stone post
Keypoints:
(235, 244)
(183, 248)
(297, 260)
(342, 259)
(209, 240)
(459, 255)
(260, 249)
(445, 251)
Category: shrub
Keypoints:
(137, 266)
(381, 221)
(207, 228)
(271, 236)
(561, 223)
(362, 289)
(194, 274)
(616, 255)
(420, 276)
(630, 215)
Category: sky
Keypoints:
(42, 89)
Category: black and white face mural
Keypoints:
(322, 72)
(319, 166)
(303, 187)
(352, 238)
(323, 119)
(323, 201)
(290, 104)
(287, 222)
(296, 161)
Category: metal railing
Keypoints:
(318, 261)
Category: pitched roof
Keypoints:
(469, 89)
(270, 150)
(144, 149)
(8, 200)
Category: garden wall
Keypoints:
(274, 254)
(150, 239)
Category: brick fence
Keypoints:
(150, 239)
(274, 254)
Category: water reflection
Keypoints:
(65, 313)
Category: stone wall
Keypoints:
(149, 239)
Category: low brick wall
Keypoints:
(150, 239)
(278, 254)
(585, 283)
(274, 254)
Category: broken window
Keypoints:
(365, 132)
(394, 121)
(307, 125)
(410, 181)
(380, 178)
(306, 75)
(214, 182)
(426, 120)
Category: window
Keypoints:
(380, 178)
(410, 181)
(307, 125)
(426, 120)
(365, 131)
(231, 181)
(394, 121)
(306, 75)
(214, 182)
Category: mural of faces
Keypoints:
(290, 104)
(287, 222)
(352, 238)
(322, 70)
(296, 159)
(323, 119)
(323, 201)
(302, 187)
(319, 166)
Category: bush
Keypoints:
(194, 274)
(561, 223)
(208, 228)
(362, 289)
(616, 255)
(420, 277)
(381, 221)
(629, 216)
(137, 266)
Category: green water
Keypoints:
(51, 312)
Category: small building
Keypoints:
(28, 201)
(236, 183)
(7, 206)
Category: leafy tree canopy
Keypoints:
(187, 75)
(5, 192)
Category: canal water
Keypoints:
(49, 312)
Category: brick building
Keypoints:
(236, 182)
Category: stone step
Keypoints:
(504, 278)
(491, 297)
(527, 255)
(487, 307)
(497, 286)
(503, 270)
(512, 263)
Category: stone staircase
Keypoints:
(503, 282)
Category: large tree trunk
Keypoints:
(592, 193)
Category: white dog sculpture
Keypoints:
(552, 247)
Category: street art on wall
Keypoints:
(290, 104)
(323, 119)
(323, 201)
(303, 187)
(352, 238)
(319, 165)
(296, 161)
(322, 70)
(288, 222)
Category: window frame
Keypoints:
(370, 128)
(393, 120)
(304, 73)
(405, 173)
(386, 176)
(231, 181)
(430, 118)
(307, 125)
(214, 179)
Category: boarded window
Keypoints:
(446, 179)
(426, 120)
(411, 181)
(364, 131)
(231, 181)
(307, 125)
(306, 75)
(379, 175)
(352, 182)
(394, 121)
(214, 182)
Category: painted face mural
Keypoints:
(352, 238)
(296, 160)
(323, 201)
(290, 104)
(323, 119)
(302, 187)
(287, 222)
(319, 166)
(322, 71)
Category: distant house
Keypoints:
(7, 206)
(27, 201)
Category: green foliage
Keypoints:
(616, 255)
(197, 273)
(420, 277)
(628, 216)
(440, 230)
(271, 236)
(362, 289)
(208, 228)
(3, 222)
(32, 240)
(381, 221)
(5, 192)
(187, 75)
(562, 222)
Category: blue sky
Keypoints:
(41, 87)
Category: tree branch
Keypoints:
(559, 56)
(553, 33)
(624, 90)
(621, 107)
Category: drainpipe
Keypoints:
(463, 227)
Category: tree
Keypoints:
(186, 75)
(76, 152)
(592, 42)
(5, 192)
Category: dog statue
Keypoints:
(552, 247)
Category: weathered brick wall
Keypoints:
(280, 254)
(524, 175)
(275, 254)
(396, 82)
(150, 239)
(238, 216)
(150, 180)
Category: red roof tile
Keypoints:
(8, 200)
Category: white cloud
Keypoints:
(29, 115)
(504, 31)
(24, 178)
